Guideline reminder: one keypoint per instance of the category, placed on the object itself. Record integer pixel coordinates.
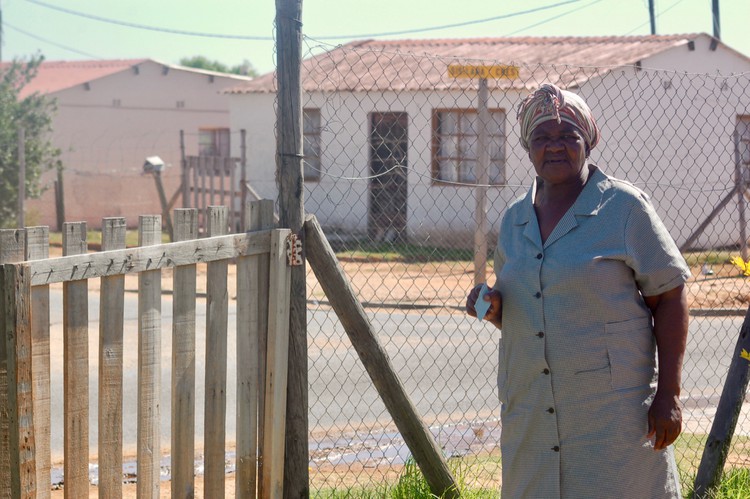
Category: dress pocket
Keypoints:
(631, 348)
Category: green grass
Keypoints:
(710, 257)
(407, 253)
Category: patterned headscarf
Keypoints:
(552, 103)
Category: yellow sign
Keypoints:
(470, 71)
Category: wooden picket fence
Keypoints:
(263, 291)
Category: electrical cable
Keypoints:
(553, 18)
(55, 44)
(658, 15)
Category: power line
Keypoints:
(658, 15)
(268, 38)
(50, 42)
(448, 26)
(553, 18)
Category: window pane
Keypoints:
(447, 170)
(470, 147)
(471, 123)
(448, 146)
(496, 173)
(447, 123)
(466, 171)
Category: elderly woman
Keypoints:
(589, 286)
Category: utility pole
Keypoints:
(716, 23)
(292, 215)
(652, 16)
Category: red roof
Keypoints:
(375, 65)
(59, 75)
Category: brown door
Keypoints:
(388, 187)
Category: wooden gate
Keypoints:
(213, 180)
(263, 287)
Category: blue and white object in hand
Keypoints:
(482, 306)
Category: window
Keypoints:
(455, 145)
(743, 130)
(213, 142)
(311, 136)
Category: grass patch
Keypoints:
(709, 257)
(94, 239)
(407, 253)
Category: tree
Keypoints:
(34, 114)
(203, 62)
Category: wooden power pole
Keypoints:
(291, 214)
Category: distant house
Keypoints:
(390, 114)
(111, 115)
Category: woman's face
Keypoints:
(558, 152)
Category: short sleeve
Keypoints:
(651, 251)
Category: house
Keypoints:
(391, 134)
(112, 115)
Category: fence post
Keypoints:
(183, 362)
(216, 360)
(15, 311)
(21, 177)
(149, 365)
(76, 369)
(725, 419)
(37, 248)
(111, 316)
(11, 250)
(252, 332)
(483, 165)
(184, 174)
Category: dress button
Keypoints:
(538, 295)
(539, 256)
(551, 410)
(556, 448)
(545, 371)
(540, 334)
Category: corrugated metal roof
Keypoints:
(59, 75)
(375, 65)
(54, 76)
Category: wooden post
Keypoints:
(482, 179)
(243, 178)
(741, 187)
(59, 200)
(37, 248)
(149, 365)
(111, 317)
(727, 413)
(183, 363)
(252, 331)
(277, 369)
(291, 201)
(11, 250)
(15, 331)
(21, 178)
(375, 359)
(185, 174)
(76, 369)
(216, 361)
(164, 206)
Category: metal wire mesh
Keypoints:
(390, 174)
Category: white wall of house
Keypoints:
(106, 131)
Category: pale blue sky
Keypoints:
(30, 26)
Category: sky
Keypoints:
(232, 31)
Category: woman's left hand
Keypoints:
(664, 419)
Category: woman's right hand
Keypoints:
(494, 313)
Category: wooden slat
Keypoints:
(15, 311)
(193, 161)
(136, 260)
(11, 250)
(111, 316)
(221, 166)
(76, 370)
(231, 162)
(276, 368)
(252, 324)
(37, 248)
(217, 304)
(183, 363)
(149, 365)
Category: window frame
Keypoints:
(317, 140)
(216, 141)
(462, 137)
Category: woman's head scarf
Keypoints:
(551, 103)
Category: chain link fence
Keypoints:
(392, 158)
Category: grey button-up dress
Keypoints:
(577, 354)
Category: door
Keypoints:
(388, 186)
